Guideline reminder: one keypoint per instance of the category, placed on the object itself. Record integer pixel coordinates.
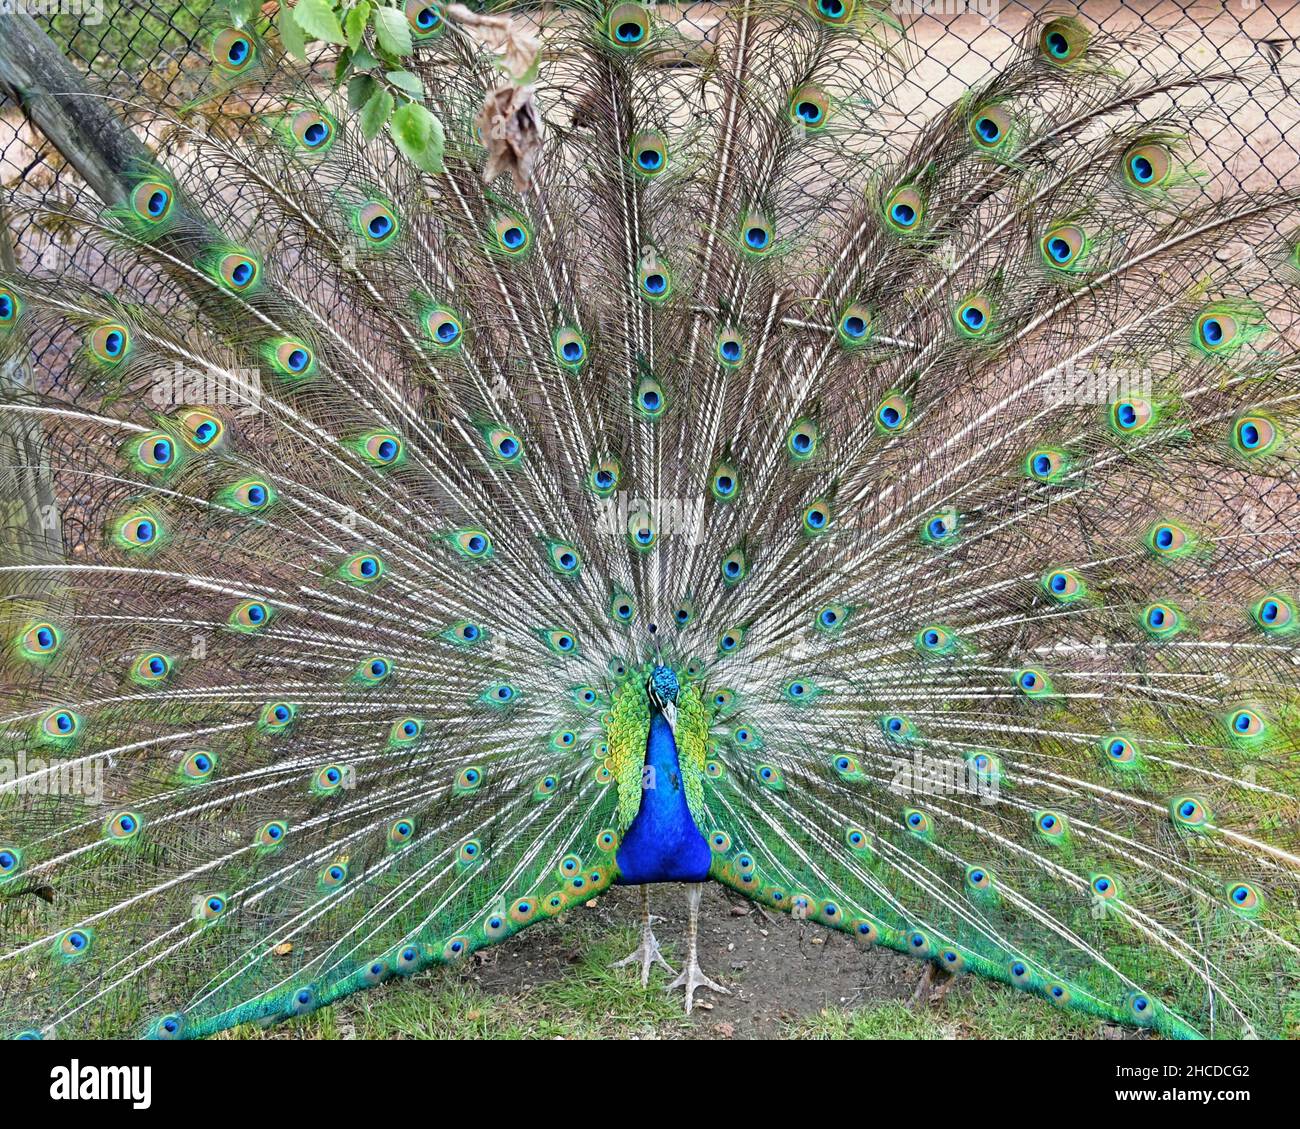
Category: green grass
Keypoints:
(586, 999)
(979, 1011)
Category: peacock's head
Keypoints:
(662, 686)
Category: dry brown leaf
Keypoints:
(511, 127)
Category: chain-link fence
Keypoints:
(155, 52)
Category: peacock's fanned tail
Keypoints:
(949, 464)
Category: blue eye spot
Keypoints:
(380, 226)
(854, 326)
(988, 129)
(629, 32)
(656, 283)
(904, 214)
(1141, 169)
(572, 351)
(757, 238)
(1059, 249)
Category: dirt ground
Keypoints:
(778, 969)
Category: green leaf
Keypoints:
(407, 82)
(291, 35)
(342, 66)
(375, 113)
(317, 19)
(419, 137)
(354, 23)
(361, 87)
(243, 12)
(393, 31)
(363, 60)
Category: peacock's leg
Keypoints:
(647, 952)
(690, 976)
(932, 988)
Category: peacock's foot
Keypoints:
(691, 978)
(932, 988)
(647, 953)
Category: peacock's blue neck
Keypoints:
(663, 844)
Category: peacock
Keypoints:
(697, 469)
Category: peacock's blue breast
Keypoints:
(663, 844)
